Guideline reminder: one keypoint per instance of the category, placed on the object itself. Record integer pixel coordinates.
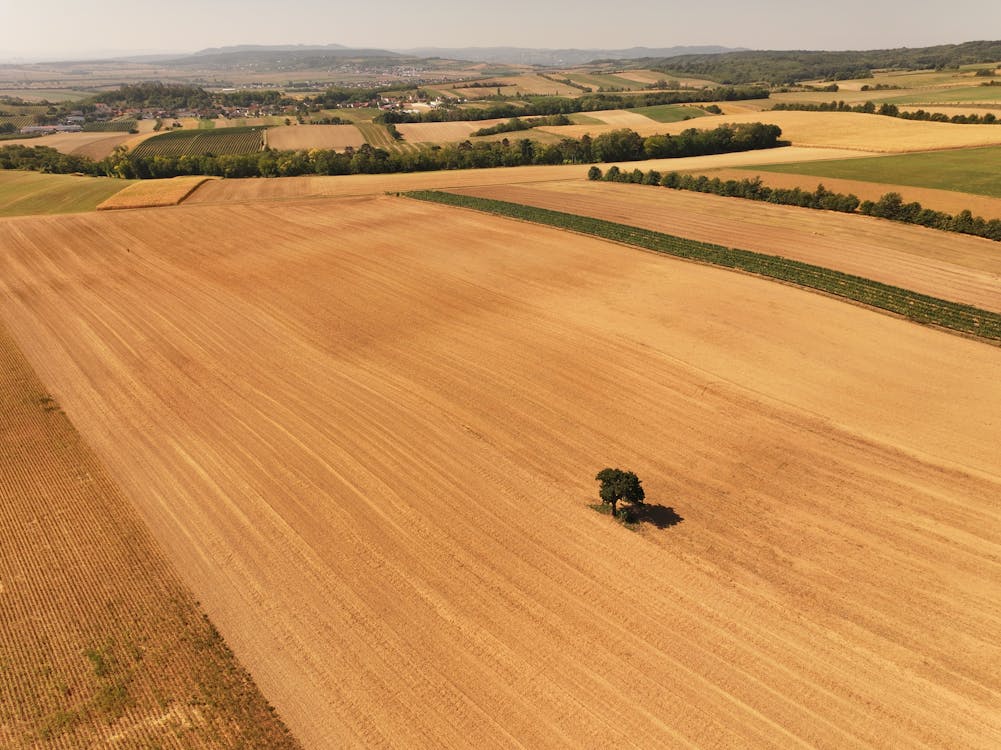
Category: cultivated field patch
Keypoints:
(848, 130)
(377, 450)
(101, 644)
(976, 170)
(24, 193)
(305, 137)
(213, 141)
(153, 193)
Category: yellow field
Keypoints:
(444, 132)
(295, 137)
(153, 193)
(845, 130)
(370, 454)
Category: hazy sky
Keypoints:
(61, 28)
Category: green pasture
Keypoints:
(958, 95)
(968, 170)
(670, 112)
(25, 193)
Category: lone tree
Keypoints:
(619, 485)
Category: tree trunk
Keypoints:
(614, 514)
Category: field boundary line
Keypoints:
(953, 317)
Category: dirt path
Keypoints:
(368, 438)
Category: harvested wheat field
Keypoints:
(942, 264)
(371, 454)
(949, 201)
(443, 132)
(845, 130)
(92, 145)
(296, 137)
(101, 645)
(287, 188)
(153, 193)
(622, 118)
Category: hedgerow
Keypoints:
(918, 307)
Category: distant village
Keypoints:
(77, 121)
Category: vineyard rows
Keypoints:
(378, 136)
(111, 126)
(918, 307)
(188, 142)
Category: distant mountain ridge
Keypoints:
(566, 56)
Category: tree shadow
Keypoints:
(661, 516)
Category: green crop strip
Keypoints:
(920, 308)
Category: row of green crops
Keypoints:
(219, 141)
(912, 305)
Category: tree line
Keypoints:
(617, 145)
(887, 110)
(559, 105)
(890, 206)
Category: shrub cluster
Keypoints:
(516, 123)
(889, 206)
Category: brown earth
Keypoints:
(943, 264)
(949, 201)
(100, 644)
(367, 438)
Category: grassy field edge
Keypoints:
(920, 308)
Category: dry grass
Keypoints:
(845, 130)
(305, 137)
(154, 193)
(368, 439)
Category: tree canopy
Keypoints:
(617, 485)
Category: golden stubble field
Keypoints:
(844, 130)
(367, 439)
(100, 643)
(951, 266)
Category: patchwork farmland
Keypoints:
(310, 461)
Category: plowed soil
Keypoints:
(368, 436)
(943, 264)
(100, 643)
